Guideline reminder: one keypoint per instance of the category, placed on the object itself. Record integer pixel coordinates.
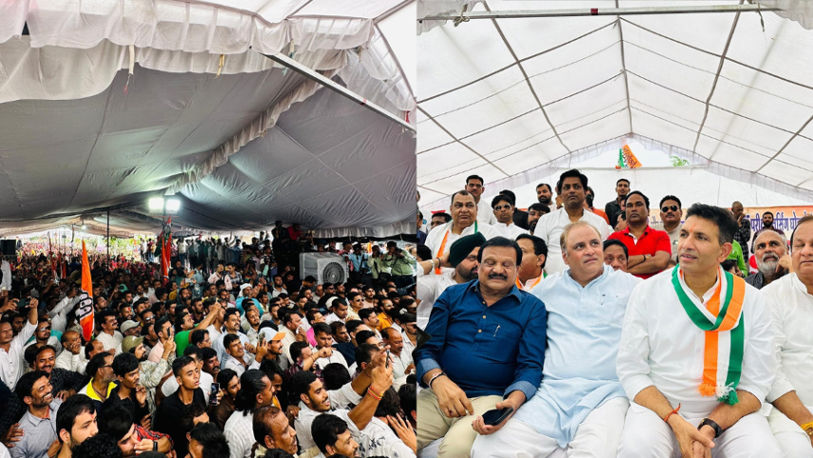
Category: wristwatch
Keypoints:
(717, 429)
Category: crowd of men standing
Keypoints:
(236, 361)
(567, 330)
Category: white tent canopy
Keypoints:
(517, 100)
(104, 104)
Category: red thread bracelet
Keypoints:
(666, 418)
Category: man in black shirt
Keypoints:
(128, 393)
(184, 408)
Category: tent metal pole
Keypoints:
(108, 237)
(332, 85)
(627, 11)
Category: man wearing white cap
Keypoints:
(131, 328)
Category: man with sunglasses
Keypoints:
(649, 249)
(503, 207)
(671, 213)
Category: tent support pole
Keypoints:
(628, 11)
(333, 86)
(108, 237)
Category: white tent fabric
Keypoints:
(503, 97)
(104, 103)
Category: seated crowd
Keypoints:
(240, 361)
(574, 332)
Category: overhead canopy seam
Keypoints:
(724, 134)
(257, 128)
(624, 66)
(796, 134)
(599, 148)
(528, 112)
(397, 62)
(525, 148)
(730, 80)
(461, 143)
(713, 105)
(716, 77)
(477, 80)
(493, 94)
(797, 166)
(92, 148)
(750, 67)
(543, 141)
(527, 80)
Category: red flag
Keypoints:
(85, 310)
(166, 248)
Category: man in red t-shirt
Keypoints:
(649, 249)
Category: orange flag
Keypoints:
(85, 307)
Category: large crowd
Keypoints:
(232, 354)
(568, 330)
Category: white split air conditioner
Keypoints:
(325, 267)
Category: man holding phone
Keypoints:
(485, 351)
(12, 363)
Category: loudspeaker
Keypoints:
(8, 247)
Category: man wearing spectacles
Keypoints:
(503, 208)
(649, 249)
(671, 213)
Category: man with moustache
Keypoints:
(790, 301)
(463, 258)
(615, 254)
(549, 227)
(531, 269)
(464, 222)
(767, 224)
(615, 208)
(770, 251)
(648, 249)
(580, 405)
(484, 351)
(544, 194)
(475, 187)
(671, 213)
(696, 355)
(39, 422)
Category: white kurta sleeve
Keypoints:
(759, 361)
(632, 363)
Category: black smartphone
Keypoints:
(388, 359)
(213, 394)
(496, 416)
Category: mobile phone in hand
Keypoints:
(388, 359)
(213, 394)
(496, 416)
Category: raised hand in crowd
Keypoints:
(404, 431)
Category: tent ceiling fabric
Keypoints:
(105, 103)
(500, 97)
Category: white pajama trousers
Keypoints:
(792, 438)
(597, 436)
(647, 435)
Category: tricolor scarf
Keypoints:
(722, 356)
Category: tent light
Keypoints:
(173, 205)
(155, 204)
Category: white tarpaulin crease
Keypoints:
(515, 100)
(242, 141)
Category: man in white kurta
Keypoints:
(550, 226)
(580, 406)
(464, 222)
(661, 356)
(790, 302)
